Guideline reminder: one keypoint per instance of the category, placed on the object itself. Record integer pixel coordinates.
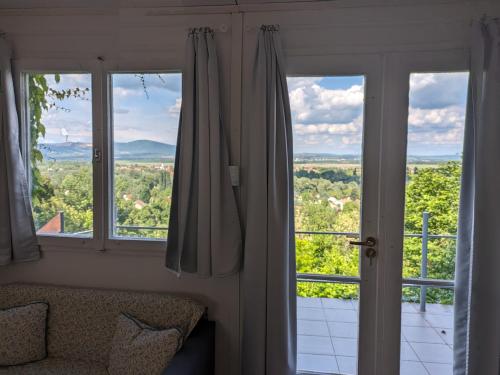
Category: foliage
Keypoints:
(326, 199)
(431, 189)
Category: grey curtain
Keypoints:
(18, 242)
(204, 235)
(268, 278)
(477, 297)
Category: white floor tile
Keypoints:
(312, 328)
(333, 303)
(347, 365)
(436, 353)
(439, 368)
(336, 315)
(314, 345)
(422, 334)
(342, 329)
(412, 368)
(407, 353)
(347, 347)
(318, 363)
(307, 313)
(309, 302)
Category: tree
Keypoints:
(436, 191)
(41, 98)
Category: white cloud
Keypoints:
(175, 109)
(438, 90)
(436, 126)
(313, 104)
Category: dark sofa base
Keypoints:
(196, 356)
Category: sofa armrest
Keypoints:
(196, 356)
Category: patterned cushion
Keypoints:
(56, 366)
(82, 321)
(140, 349)
(23, 334)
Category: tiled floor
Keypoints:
(328, 330)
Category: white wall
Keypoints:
(153, 38)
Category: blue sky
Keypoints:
(327, 112)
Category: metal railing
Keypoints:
(423, 281)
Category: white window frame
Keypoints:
(112, 242)
(44, 66)
(101, 72)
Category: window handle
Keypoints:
(97, 155)
(370, 242)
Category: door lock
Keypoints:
(370, 253)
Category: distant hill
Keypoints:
(135, 150)
(348, 158)
(152, 150)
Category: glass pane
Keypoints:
(434, 165)
(327, 119)
(327, 328)
(146, 109)
(60, 121)
(427, 336)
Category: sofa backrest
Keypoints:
(82, 322)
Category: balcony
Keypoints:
(327, 337)
(327, 328)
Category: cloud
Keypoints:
(436, 126)
(438, 90)
(175, 109)
(337, 136)
(313, 104)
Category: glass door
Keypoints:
(421, 174)
(335, 107)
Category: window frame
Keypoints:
(112, 242)
(34, 66)
(102, 178)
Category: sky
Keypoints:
(327, 112)
(138, 113)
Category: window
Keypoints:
(436, 123)
(145, 117)
(327, 123)
(59, 113)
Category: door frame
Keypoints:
(370, 66)
(383, 187)
(397, 69)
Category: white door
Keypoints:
(336, 113)
(366, 144)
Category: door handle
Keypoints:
(370, 242)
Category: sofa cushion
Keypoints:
(82, 322)
(55, 366)
(140, 349)
(23, 334)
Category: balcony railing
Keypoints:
(423, 281)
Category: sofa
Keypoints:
(81, 324)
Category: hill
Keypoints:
(135, 150)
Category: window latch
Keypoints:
(97, 155)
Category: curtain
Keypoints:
(204, 235)
(18, 242)
(268, 278)
(477, 297)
